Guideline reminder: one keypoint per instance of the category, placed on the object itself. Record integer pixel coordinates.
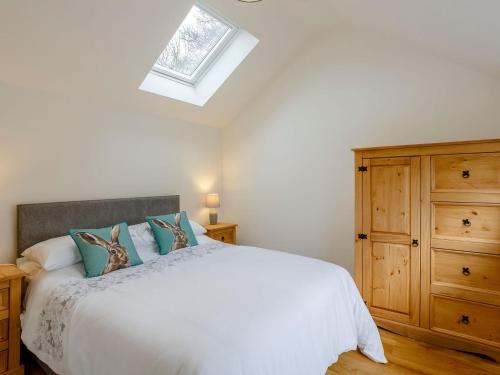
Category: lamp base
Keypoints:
(213, 218)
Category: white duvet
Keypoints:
(211, 309)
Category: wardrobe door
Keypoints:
(391, 250)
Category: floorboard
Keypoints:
(407, 356)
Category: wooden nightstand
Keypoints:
(223, 232)
(10, 325)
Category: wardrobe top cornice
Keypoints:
(461, 147)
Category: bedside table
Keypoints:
(223, 232)
(10, 325)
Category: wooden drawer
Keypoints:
(4, 298)
(4, 304)
(10, 306)
(4, 330)
(466, 222)
(4, 358)
(227, 236)
(466, 173)
(466, 275)
(466, 319)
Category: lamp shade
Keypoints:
(213, 200)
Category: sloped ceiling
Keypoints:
(467, 31)
(103, 49)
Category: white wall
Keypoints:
(287, 165)
(60, 148)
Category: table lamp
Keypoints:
(213, 202)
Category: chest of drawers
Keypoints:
(465, 247)
(223, 232)
(428, 241)
(10, 330)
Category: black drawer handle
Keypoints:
(465, 174)
(222, 238)
(464, 320)
(466, 271)
(414, 243)
(466, 222)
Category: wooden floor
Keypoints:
(405, 356)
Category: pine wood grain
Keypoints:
(483, 222)
(458, 228)
(390, 195)
(15, 324)
(408, 356)
(10, 330)
(425, 240)
(391, 220)
(391, 277)
(471, 276)
(358, 222)
(482, 320)
(483, 173)
(224, 232)
(464, 147)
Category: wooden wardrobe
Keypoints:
(427, 241)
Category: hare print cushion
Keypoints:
(105, 250)
(172, 232)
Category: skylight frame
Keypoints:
(211, 57)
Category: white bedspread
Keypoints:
(211, 309)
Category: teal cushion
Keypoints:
(172, 232)
(105, 250)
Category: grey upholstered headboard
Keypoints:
(41, 221)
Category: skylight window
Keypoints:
(205, 50)
(199, 40)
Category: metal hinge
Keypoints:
(362, 236)
(362, 168)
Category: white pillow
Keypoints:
(198, 229)
(204, 240)
(31, 267)
(54, 254)
(144, 241)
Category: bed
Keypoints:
(208, 309)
